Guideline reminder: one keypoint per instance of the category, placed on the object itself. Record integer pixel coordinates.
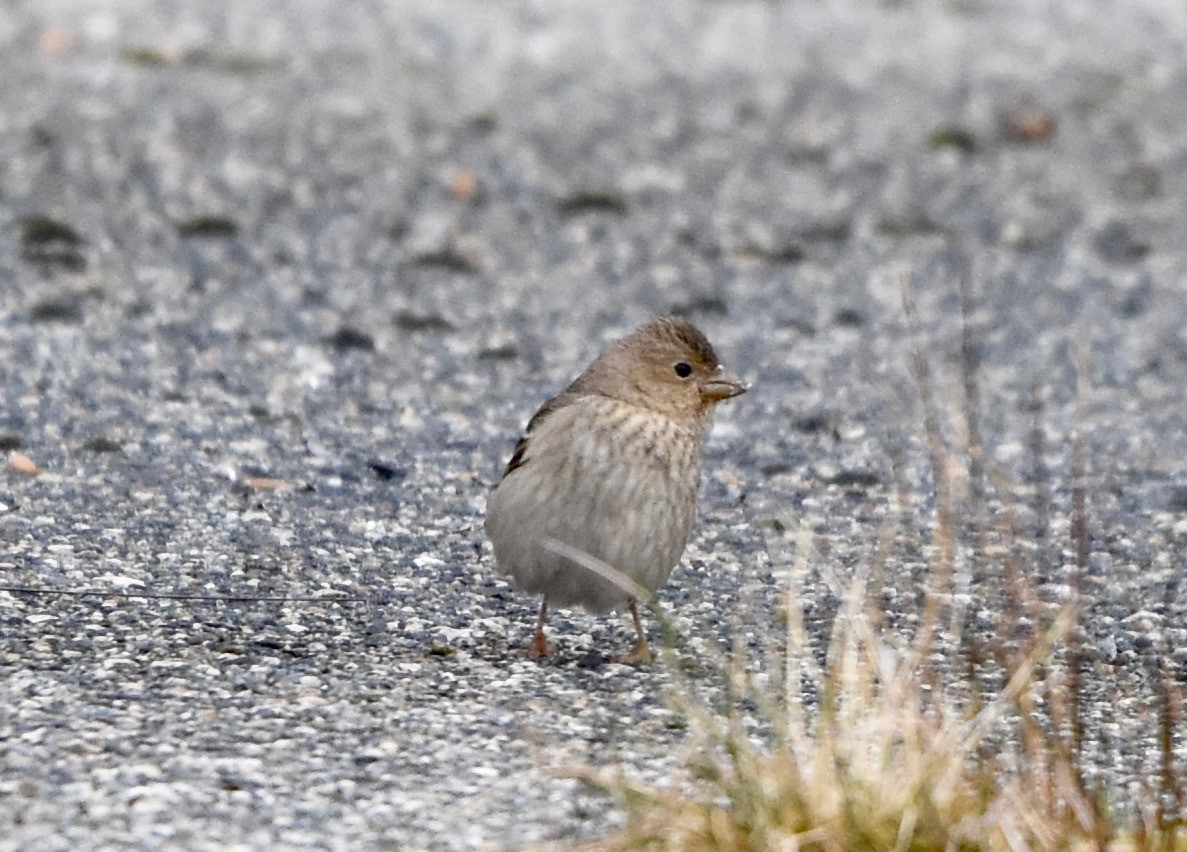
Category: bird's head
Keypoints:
(667, 366)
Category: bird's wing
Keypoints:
(519, 455)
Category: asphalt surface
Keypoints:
(281, 282)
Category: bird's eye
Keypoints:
(683, 370)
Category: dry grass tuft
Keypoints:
(879, 763)
(883, 761)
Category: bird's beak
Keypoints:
(722, 385)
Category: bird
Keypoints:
(598, 499)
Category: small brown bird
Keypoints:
(596, 504)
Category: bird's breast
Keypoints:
(643, 441)
(608, 479)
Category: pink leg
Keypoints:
(642, 652)
(539, 647)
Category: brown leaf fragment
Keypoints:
(21, 463)
(464, 185)
(55, 42)
(1028, 125)
(266, 483)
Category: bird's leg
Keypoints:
(642, 652)
(539, 647)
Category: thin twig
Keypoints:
(1081, 545)
(944, 538)
(1042, 496)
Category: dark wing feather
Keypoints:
(518, 457)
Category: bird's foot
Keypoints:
(539, 647)
(640, 656)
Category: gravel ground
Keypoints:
(280, 283)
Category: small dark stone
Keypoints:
(409, 321)
(849, 317)
(507, 352)
(212, 227)
(485, 121)
(146, 57)
(952, 136)
(103, 444)
(908, 224)
(787, 252)
(43, 136)
(49, 242)
(387, 472)
(854, 479)
(813, 423)
(592, 201)
(9, 442)
(449, 259)
(57, 310)
(351, 338)
(773, 524)
(591, 660)
(825, 232)
(39, 230)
